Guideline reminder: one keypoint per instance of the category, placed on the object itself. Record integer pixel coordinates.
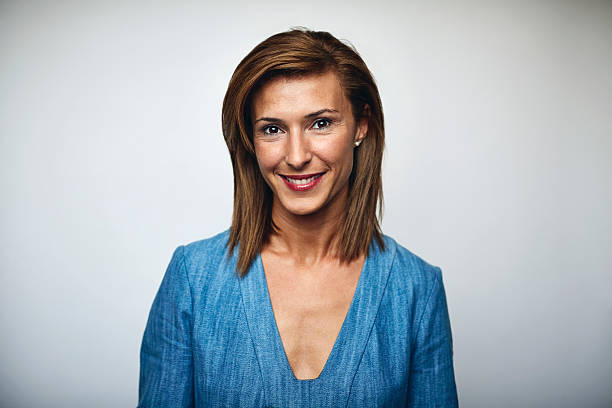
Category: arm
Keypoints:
(166, 366)
(432, 378)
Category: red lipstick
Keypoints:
(302, 182)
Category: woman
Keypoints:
(303, 302)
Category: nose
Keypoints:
(298, 150)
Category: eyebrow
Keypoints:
(309, 116)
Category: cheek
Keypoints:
(267, 156)
(338, 153)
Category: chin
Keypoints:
(303, 209)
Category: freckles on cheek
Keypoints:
(338, 150)
(266, 158)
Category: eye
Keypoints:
(271, 130)
(321, 124)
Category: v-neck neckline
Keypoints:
(276, 331)
(345, 356)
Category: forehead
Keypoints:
(299, 95)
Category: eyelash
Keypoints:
(328, 123)
(266, 129)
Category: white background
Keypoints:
(497, 169)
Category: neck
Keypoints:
(307, 239)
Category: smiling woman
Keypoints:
(304, 133)
(303, 302)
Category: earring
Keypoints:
(357, 143)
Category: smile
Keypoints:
(302, 182)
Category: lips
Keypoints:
(302, 182)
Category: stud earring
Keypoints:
(357, 143)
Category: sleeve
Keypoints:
(432, 378)
(166, 362)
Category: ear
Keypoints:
(363, 120)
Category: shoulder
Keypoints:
(410, 272)
(206, 250)
(206, 262)
(200, 259)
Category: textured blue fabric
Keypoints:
(211, 339)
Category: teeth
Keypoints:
(301, 181)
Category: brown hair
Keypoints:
(294, 53)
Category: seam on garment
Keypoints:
(433, 288)
(191, 336)
(188, 284)
(367, 340)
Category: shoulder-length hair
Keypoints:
(301, 52)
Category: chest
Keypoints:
(309, 310)
(240, 359)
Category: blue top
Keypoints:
(211, 339)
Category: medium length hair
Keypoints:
(300, 52)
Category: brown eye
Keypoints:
(321, 124)
(271, 130)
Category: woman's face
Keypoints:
(304, 133)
